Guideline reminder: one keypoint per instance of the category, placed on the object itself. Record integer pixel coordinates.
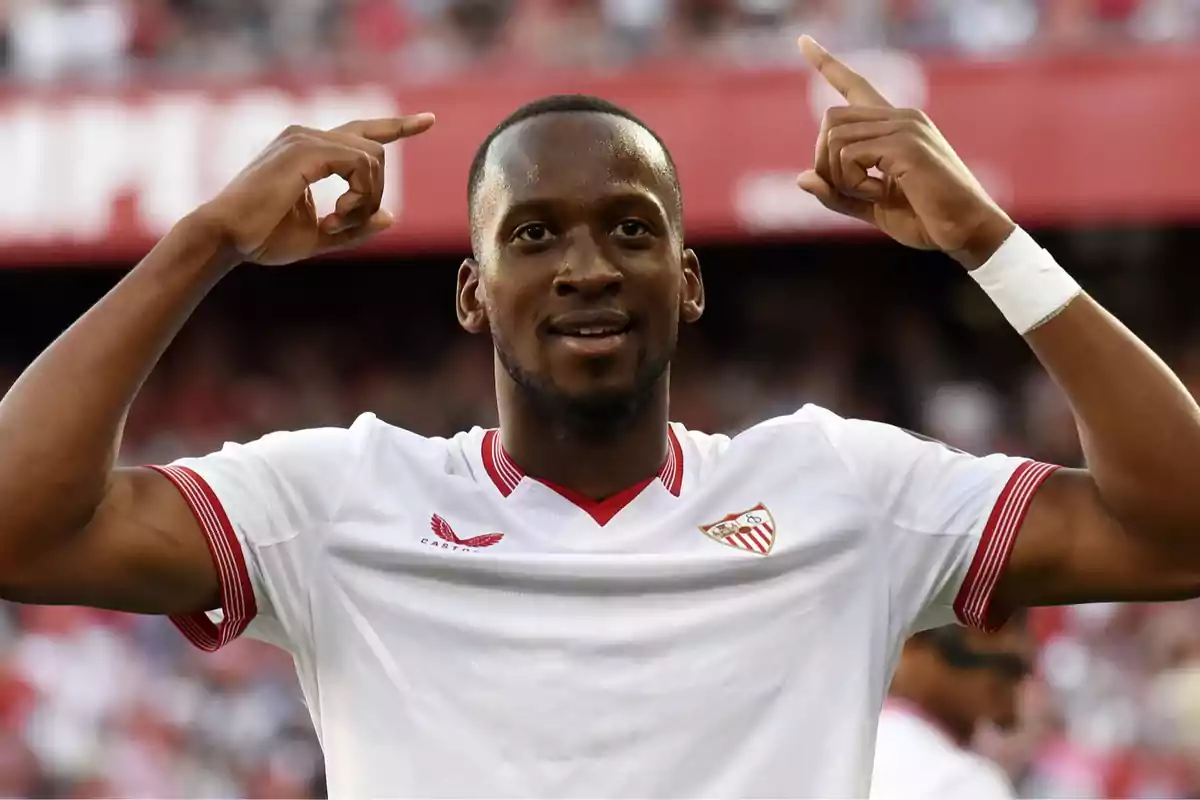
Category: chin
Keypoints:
(595, 379)
(597, 395)
(604, 390)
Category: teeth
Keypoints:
(595, 332)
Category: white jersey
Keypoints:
(727, 629)
(916, 760)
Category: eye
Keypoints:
(532, 232)
(632, 229)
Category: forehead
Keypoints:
(572, 157)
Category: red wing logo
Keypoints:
(752, 530)
(443, 531)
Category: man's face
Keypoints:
(581, 278)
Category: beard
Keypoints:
(590, 417)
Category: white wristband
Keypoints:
(1025, 282)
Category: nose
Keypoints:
(586, 270)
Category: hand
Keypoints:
(267, 213)
(926, 197)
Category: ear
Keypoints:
(468, 301)
(691, 305)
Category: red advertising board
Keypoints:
(1095, 139)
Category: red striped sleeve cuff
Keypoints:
(974, 606)
(237, 594)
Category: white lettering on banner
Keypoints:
(332, 107)
(254, 119)
(771, 201)
(899, 76)
(28, 169)
(106, 138)
(170, 160)
(242, 128)
(69, 162)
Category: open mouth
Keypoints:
(591, 332)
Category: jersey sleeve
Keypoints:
(948, 520)
(262, 507)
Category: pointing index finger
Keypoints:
(387, 130)
(854, 87)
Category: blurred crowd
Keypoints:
(110, 40)
(105, 705)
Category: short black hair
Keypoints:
(559, 104)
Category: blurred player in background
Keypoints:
(592, 600)
(950, 680)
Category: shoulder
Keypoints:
(808, 439)
(972, 775)
(812, 422)
(816, 437)
(818, 424)
(322, 456)
(296, 447)
(909, 758)
(887, 459)
(914, 760)
(905, 736)
(395, 451)
(849, 435)
(368, 435)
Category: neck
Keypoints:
(596, 467)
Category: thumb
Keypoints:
(328, 242)
(832, 199)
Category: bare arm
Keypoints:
(74, 529)
(1128, 527)
(77, 531)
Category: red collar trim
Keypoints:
(505, 473)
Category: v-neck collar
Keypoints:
(505, 473)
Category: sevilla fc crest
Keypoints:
(753, 530)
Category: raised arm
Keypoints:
(1127, 527)
(74, 530)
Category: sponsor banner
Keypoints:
(92, 176)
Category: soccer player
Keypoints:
(592, 600)
(949, 681)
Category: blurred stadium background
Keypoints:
(117, 116)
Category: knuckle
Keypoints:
(368, 170)
(377, 161)
(835, 115)
(292, 132)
